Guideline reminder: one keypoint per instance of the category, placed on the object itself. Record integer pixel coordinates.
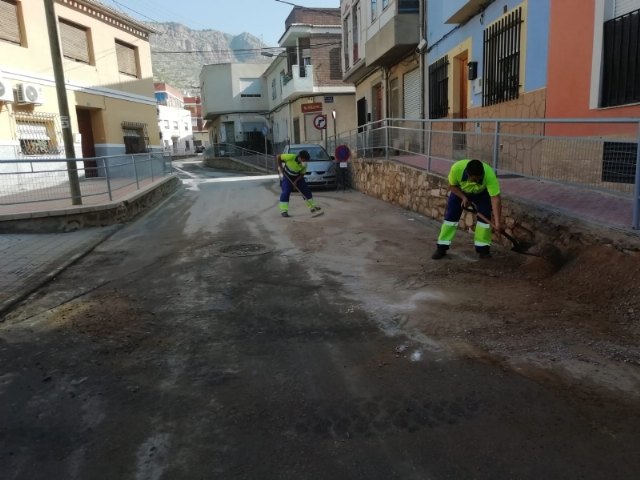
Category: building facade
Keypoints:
(304, 82)
(108, 79)
(234, 103)
(200, 133)
(381, 40)
(174, 121)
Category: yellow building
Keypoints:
(108, 76)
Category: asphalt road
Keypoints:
(213, 339)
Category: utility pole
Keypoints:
(63, 105)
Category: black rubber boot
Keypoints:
(440, 252)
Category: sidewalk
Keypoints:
(602, 208)
(29, 260)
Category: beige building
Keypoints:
(108, 78)
(305, 83)
(382, 56)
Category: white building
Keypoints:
(234, 103)
(176, 130)
(174, 121)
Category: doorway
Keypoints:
(85, 128)
(460, 100)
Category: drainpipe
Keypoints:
(385, 82)
(422, 15)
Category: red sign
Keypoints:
(311, 107)
(320, 122)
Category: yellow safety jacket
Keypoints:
(292, 165)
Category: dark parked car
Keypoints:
(321, 168)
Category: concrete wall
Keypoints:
(221, 88)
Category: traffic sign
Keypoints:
(320, 122)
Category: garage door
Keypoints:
(411, 85)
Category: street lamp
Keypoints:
(335, 135)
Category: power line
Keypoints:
(245, 50)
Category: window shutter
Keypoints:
(9, 24)
(74, 41)
(126, 59)
(625, 6)
(412, 95)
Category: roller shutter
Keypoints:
(412, 94)
(9, 22)
(74, 40)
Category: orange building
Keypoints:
(593, 65)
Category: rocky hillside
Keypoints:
(209, 46)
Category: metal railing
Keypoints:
(102, 179)
(591, 154)
(261, 160)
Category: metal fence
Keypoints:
(591, 154)
(263, 161)
(28, 182)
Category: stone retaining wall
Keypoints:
(426, 193)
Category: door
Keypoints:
(85, 129)
(362, 113)
(296, 130)
(460, 104)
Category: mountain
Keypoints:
(182, 70)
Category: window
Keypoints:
(374, 9)
(186, 127)
(394, 107)
(408, 6)
(127, 61)
(274, 94)
(250, 88)
(619, 162)
(438, 88)
(135, 137)
(385, 4)
(37, 136)
(356, 53)
(166, 124)
(10, 22)
(75, 41)
(501, 79)
(345, 41)
(621, 55)
(175, 126)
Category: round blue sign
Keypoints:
(342, 153)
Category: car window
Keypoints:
(317, 154)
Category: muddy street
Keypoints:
(214, 339)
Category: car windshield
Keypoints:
(316, 154)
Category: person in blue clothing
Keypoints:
(471, 183)
(292, 168)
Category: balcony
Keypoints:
(299, 83)
(459, 11)
(396, 35)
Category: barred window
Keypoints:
(621, 58)
(135, 137)
(501, 77)
(439, 88)
(75, 41)
(37, 135)
(10, 22)
(127, 61)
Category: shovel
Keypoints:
(519, 246)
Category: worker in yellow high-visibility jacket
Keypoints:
(471, 182)
(293, 167)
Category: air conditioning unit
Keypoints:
(29, 93)
(6, 90)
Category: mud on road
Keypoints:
(214, 339)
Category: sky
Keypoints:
(262, 18)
